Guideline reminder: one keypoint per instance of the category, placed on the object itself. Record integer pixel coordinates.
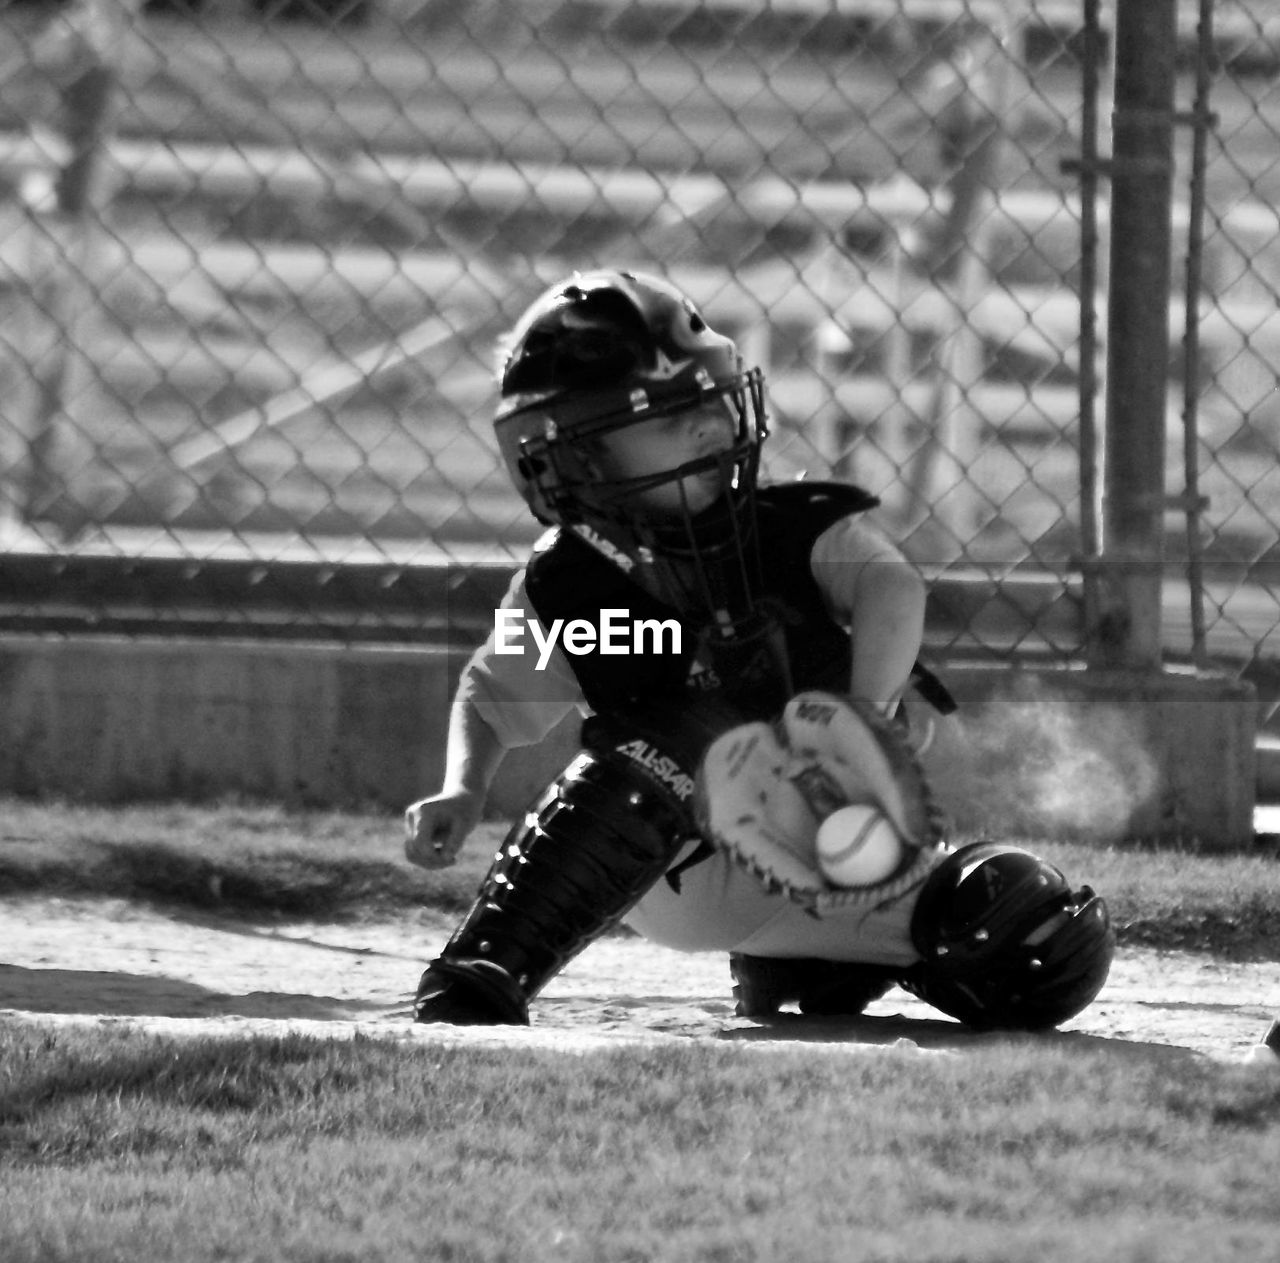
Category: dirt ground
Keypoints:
(93, 961)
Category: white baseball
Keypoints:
(857, 846)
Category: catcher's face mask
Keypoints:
(668, 468)
(624, 415)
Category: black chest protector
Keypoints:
(568, 578)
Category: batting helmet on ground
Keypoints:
(1006, 942)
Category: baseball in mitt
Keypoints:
(828, 805)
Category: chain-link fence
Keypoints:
(255, 256)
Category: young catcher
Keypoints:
(738, 652)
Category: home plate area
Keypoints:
(111, 962)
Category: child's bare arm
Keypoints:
(437, 826)
(871, 584)
(886, 627)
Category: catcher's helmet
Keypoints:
(598, 353)
(1005, 941)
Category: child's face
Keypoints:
(663, 443)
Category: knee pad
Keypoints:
(1005, 942)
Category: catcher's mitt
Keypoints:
(763, 790)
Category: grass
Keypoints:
(246, 860)
(117, 1144)
(263, 861)
(126, 1146)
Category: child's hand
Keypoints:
(435, 828)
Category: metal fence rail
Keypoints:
(254, 258)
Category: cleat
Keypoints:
(469, 993)
(822, 988)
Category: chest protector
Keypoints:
(568, 578)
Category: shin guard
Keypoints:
(580, 858)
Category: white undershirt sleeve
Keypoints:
(519, 699)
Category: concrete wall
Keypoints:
(1096, 754)
(107, 720)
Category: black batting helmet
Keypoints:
(1006, 942)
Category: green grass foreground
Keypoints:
(266, 861)
(123, 1146)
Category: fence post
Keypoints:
(1125, 628)
(88, 39)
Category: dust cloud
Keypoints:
(1043, 763)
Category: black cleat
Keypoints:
(469, 993)
(822, 988)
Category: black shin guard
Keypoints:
(574, 865)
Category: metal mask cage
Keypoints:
(552, 460)
(705, 563)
